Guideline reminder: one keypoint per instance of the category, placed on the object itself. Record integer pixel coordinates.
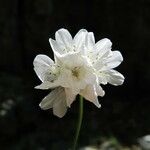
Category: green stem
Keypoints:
(79, 123)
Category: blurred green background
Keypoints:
(25, 26)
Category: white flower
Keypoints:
(75, 70)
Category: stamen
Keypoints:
(76, 72)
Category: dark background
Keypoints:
(26, 25)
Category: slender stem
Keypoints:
(79, 123)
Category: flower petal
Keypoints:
(49, 100)
(79, 39)
(114, 60)
(100, 91)
(70, 96)
(59, 48)
(41, 64)
(89, 93)
(60, 109)
(47, 85)
(90, 41)
(63, 37)
(60, 106)
(114, 77)
(103, 46)
(90, 77)
(71, 59)
(56, 100)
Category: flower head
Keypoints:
(80, 66)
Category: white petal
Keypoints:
(90, 76)
(99, 90)
(50, 99)
(60, 106)
(79, 39)
(56, 100)
(47, 85)
(114, 60)
(41, 64)
(114, 77)
(70, 96)
(60, 109)
(90, 41)
(100, 64)
(89, 93)
(63, 37)
(103, 46)
(59, 48)
(102, 79)
(53, 97)
(64, 78)
(71, 59)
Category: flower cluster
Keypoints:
(80, 66)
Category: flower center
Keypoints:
(78, 72)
